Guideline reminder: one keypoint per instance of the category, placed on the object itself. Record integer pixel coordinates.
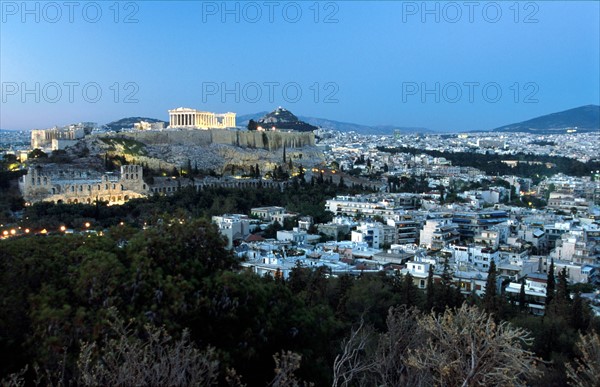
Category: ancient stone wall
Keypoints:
(271, 140)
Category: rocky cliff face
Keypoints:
(272, 140)
(221, 157)
(214, 149)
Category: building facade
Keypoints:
(60, 137)
(70, 185)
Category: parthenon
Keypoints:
(195, 119)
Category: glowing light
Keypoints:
(13, 231)
(63, 228)
(87, 224)
(26, 231)
(5, 232)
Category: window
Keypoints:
(421, 284)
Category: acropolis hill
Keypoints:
(216, 149)
(207, 140)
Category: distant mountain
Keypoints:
(242, 120)
(281, 118)
(363, 129)
(129, 122)
(583, 119)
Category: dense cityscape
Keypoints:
(502, 223)
(286, 194)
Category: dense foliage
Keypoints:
(58, 292)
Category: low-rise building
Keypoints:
(438, 233)
(234, 227)
(267, 213)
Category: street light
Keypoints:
(63, 228)
(87, 224)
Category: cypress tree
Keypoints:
(490, 298)
(560, 303)
(522, 298)
(562, 288)
(550, 283)
(430, 290)
(446, 297)
(409, 291)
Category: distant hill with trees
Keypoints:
(128, 122)
(582, 119)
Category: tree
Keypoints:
(409, 291)
(154, 360)
(430, 290)
(562, 288)
(522, 298)
(551, 283)
(286, 363)
(580, 313)
(585, 371)
(37, 154)
(444, 292)
(560, 305)
(490, 298)
(352, 362)
(461, 347)
(252, 125)
(467, 347)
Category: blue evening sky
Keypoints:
(447, 66)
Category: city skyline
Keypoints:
(444, 66)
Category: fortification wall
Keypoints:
(246, 139)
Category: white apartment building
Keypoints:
(438, 233)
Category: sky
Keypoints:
(445, 66)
